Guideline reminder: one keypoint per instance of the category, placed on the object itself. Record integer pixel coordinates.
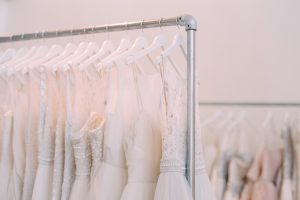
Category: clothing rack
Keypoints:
(190, 24)
(248, 104)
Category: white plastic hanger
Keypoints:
(11, 64)
(68, 50)
(53, 52)
(226, 120)
(178, 41)
(40, 52)
(106, 48)
(19, 54)
(124, 45)
(139, 44)
(235, 123)
(7, 55)
(158, 42)
(213, 118)
(63, 63)
(268, 119)
(91, 50)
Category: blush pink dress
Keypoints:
(269, 165)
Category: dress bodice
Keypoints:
(82, 148)
(96, 143)
(174, 123)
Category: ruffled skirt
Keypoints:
(108, 183)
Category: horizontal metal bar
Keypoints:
(172, 21)
(250, 104)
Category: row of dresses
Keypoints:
(111, 134)
(253, 164)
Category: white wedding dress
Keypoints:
(43, 181)
(142, 144)
(74, 87)
(172, 183)
(113, 171)
(18, 144)
(32, 136)
(6, 162)
(58, 166)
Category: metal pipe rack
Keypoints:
(187, 21)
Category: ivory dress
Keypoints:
(58, 167)
(18, 143)
(74, 86)
(6, 162)
(43, 181)
(32, 134)
(113, 170)
(142, 143)
(172, 183)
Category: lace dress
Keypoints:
(83, 159)
(172, 183)
(73, 85)
(95, 137)
(43, 181)
(58, 167)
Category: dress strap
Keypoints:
(137, 90)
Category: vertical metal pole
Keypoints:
(191, 106)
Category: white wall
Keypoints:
(246, 50)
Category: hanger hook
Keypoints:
(159, 22)
(126, 26)
(107, 31)
(72, 34)
(142, 25)
(177, 22)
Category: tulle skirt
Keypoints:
(172, 186)
(43, 182)
(286, 190)
(5, 174)
(15, 185)
(80, 188)
(204, 189)
(108, 183)
(139, 190)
